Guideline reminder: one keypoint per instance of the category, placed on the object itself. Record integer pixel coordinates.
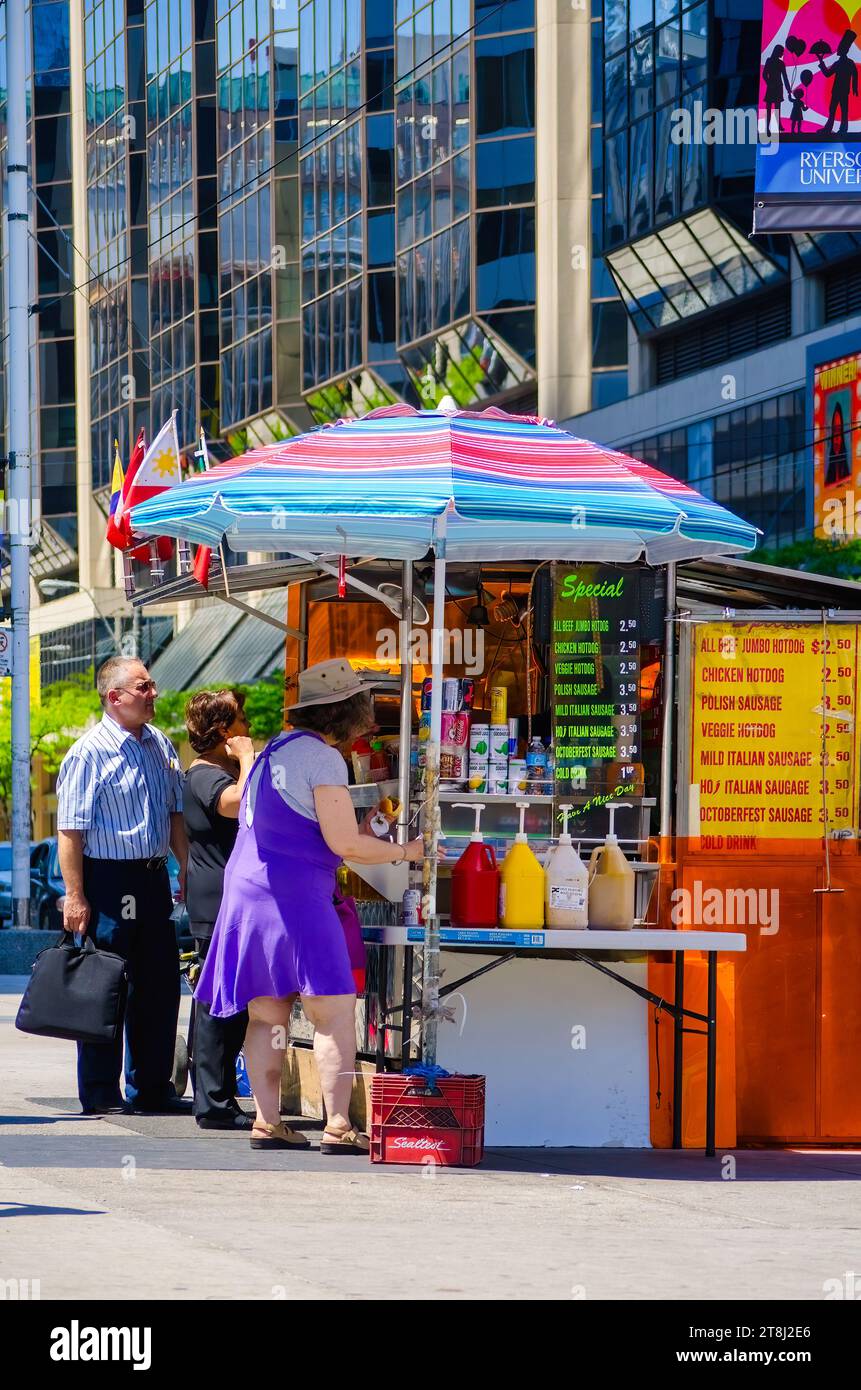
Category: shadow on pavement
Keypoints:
(30, 1209)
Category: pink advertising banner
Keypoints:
(808, 159)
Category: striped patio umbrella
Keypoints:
(510, 486)
(473, 486)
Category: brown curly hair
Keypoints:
(208, 716)
(344, 720)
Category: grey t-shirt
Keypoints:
(297, 768)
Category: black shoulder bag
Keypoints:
(75, 992)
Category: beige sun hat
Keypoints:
(328, 682)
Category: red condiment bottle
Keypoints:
(475, 880)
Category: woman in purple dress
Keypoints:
(278, 934)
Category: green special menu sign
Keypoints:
(595, 678)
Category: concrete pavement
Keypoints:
(153, 1208)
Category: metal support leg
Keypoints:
(678, 1046)
(711, 1060)
(382, 1001)
(407, 1006)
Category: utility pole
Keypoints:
(20, 519)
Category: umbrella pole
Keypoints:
(669, 684)
(406, 726)
(430, 968)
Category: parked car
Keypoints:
(5, 884)
(46, 886)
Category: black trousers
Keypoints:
(216, 1043)
(130, 914)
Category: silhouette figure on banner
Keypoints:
(837, 465)
(844, 78)
(776, 79)
(796, 114)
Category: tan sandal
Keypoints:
(277, 1137)
(344, 1142)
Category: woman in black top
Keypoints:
(218, 733)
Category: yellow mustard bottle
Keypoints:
(611, 884)
(521, 883)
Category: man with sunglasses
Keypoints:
(119, 810)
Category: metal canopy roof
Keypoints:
(241, 579)
(221, 646)
(745, 584)
(713, 580)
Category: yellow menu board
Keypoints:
(765, 696)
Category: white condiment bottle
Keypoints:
(566, 887)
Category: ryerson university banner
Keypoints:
(808, 161)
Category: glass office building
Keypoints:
(51, 320)
(117, 230)
(417, 185)
(717, 321)
(676, 212)
(257, 221)
(53, 422)
(182, 250)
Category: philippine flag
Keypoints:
(115, 536)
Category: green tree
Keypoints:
(264, 705)
(816, 556)
(65, 709)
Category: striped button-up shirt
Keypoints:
(119, 791)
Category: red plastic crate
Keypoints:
(410, 1126)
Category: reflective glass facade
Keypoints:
(257, 137)
(609, 320)
(465, 131)
(676, 212)
(171, 209)
(417, 185)
(655, 61)
(117, 228)
(751, 459)
(53, 421)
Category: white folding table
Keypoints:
(588, 947)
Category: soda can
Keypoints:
(467, 693)
(412, 907)
(451, 694)
(499, 705)
(427, 685)
(512, 737)
(423, 739)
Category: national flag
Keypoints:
(120, 515)
(119, 528)
(115, 535)
(203, 555)
(158, 469)
(202, 560)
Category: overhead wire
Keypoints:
(313, 144)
